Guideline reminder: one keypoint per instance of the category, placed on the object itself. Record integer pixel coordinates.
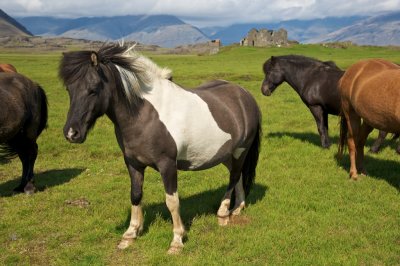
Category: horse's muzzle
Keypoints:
(265, 90)
(73, 136)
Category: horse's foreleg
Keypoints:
(378, 142)
(321, 118)
(168, 172)
(365, 129)
(136, 223)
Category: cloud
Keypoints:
(203, 12)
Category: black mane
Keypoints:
(74, 65)
(303, 62)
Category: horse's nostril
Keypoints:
(72, 134)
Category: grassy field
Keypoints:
(302, 210)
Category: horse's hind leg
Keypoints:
(365, 129)
(321, 118)
(136, 223)
(239, 197)
(235, 176)
(378, 142)
(353, 123)
(27, 152)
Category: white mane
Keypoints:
(144, 73)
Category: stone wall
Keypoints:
(264, 37)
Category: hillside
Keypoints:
(162, 30)
(378, 30)
(11, 28)
(299, 30)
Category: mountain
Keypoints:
(162, 30)
(10, 27)
(378, 30)
(299, 30)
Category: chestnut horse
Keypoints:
(369, 91)
(7, 68)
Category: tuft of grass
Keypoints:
(303, 208)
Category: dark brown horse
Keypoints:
(23, 117)
(369, 90)
(315, 82)
(7, 68)
(161, 125)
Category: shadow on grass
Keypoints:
(315, 139)
(205, 203)
(309, 137)
(387, 170)
(43, 180)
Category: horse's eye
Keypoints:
(92, 92)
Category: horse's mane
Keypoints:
(304, 61)
(133, 71)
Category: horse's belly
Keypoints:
(203, 155)
(378, 106)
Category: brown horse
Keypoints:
(7, 68)
(369, 90)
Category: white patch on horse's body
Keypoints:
(189, 121)
(186, 116)
(238, 152)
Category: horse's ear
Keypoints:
(93, 58)
(272, 59)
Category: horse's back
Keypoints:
(26, 101)
(234, 108)
(7, 68)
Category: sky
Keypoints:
(202, 13)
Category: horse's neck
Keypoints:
(120, 111)
(294, 76)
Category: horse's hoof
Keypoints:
(238, 209)
(373, 150)
(29, 189)
(124, 243)
(175, 249)
(354, 177)
(223, 221)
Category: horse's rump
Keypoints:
(371, 88)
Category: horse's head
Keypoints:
(274, 76)
(87, 86)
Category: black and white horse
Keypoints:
(161, 125)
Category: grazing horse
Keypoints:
(369, 90)
(161, 125)
(315, 82)
(7, 68)
(22, 119)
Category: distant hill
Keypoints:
(299, 30)
(378, 30)
(162, 30)
(9, 27)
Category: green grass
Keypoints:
(302, 210)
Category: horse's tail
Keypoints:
(343, 136)
(7, 152)
(43, 110)
(250, 162)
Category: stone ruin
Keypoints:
(264, 37)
